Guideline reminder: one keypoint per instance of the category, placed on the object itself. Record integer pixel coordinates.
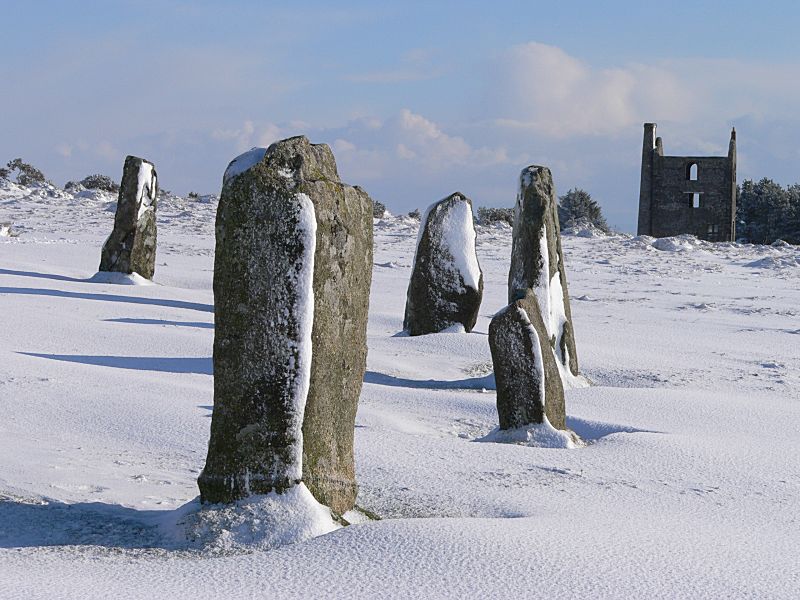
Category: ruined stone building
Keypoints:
(687, 194)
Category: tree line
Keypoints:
(766, 212)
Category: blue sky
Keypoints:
(417, 99)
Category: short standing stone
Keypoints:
(342, 271)
(131, 247)
(446, 284)
(525, 370)
(537, 261)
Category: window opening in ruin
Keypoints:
(691, 172)
(695, 200)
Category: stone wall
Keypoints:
(687, 194)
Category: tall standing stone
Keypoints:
(525, 370)
(446, 284)
(537, 261)
(131, 247)
(263, 314)
(258, 421)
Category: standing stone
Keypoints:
(525, 370)
(131, 247)
(260, 189)
(537, 262)
(446, 284)
(263, 314)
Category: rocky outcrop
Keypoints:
(131, 247)
(261, 411)
(528, 380)
(537, 262)
(446, 284)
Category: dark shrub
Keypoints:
(26, 174)
(577, 207)
(100, 182)
(767, 212)
(487, 215)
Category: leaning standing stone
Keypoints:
(446, 284)
(528, 380)
(537, 262)
(258, 427)
(131, 247)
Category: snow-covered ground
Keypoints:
(688, 487)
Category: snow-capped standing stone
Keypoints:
(131, 247)
(446, 284)
(537, 264)
(291, 284)
(528, 381)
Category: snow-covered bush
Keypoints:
(577, 207)
(488, 216)
(378, 209)
(27, 174)
(100, 182)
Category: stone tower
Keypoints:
(687, 194)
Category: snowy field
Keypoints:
(688, 486)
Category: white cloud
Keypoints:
(106, 150)
(422, 139)
(416, 64)
(543, 89)
(249, 135)
(64, 149)
(270, 133)
(405, 153)
(340, 145)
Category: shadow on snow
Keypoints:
(28, 524)
(42, 275)
(595, 430)
(109, 298)
(164, 364)
(200, 324)
(473, 383)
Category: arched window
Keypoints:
(691, 171)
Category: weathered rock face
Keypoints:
(342, 278)
(446, 284)
(289, 172)
(525, 370)
(537, 261)
(131, 247)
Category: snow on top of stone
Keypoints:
(304, 313)
(147, 188)
(526, 175)
(459, 239)
(243, 162)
